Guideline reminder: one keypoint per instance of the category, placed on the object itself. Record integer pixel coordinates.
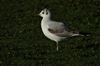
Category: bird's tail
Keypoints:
(81, 34)
(84, 34)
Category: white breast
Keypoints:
(44, 26)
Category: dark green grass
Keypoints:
(22, 42)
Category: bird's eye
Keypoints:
(42, 12)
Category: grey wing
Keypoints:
(58, 29)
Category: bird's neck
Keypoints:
(46, 19)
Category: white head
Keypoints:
(45, 13)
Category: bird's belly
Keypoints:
(51, 36)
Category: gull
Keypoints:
(54, 30)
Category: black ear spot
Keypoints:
(46, 12)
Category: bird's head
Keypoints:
(45, 13)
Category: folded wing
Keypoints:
(59, 29)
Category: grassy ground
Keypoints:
(22, 42)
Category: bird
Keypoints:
(55, 31)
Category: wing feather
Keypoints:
(59, 29)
